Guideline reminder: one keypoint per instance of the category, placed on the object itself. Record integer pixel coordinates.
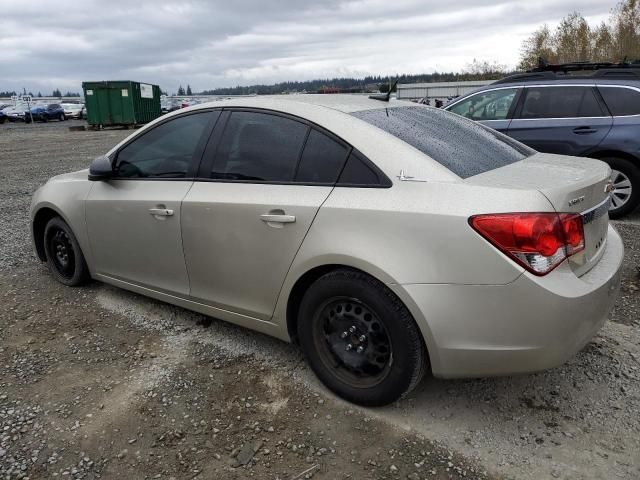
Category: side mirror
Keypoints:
(101, 169)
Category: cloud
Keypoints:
(46, 45)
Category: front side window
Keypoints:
(166, 151)
(560, 102)
(259, 147)
(621, 101)
(491, 105)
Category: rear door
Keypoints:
(493, 108)
(262, 180)
(562, 119)
(133, 220)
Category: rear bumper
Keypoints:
(531, 324)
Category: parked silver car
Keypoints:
(74, 110)
(387, 239)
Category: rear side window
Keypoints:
(560, 102)
(358, 173)
(259, 147)
(322, 159)
(621, 101)
(465, 147)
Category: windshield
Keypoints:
(464, 147)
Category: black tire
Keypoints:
(632, 172)
(64, 256)
(366, 373)
(62, 118)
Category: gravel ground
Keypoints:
(101, 383)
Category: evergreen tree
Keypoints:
(180, 90)
(189, 92)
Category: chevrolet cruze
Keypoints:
(388, 239)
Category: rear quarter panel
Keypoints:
(624, 136)
(411, 233)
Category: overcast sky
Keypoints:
(58, 44)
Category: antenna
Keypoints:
(384, 97)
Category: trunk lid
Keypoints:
(572, 185)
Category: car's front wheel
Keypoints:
(64, 256)
(62, 118)
(625, 176)
(359, 339)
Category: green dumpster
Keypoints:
(121, 102)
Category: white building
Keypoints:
(437, 90)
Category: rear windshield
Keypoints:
(464, 147)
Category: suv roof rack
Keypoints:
(561, 71)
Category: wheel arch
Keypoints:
(41, 217)
(305, 280)
(602, 154)
(297, 292)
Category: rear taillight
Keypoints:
(537, 241)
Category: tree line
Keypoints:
(574, 40)
(55, 93)
(368, 83)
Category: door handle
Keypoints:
(584, 130)
(279, 218)
(161, 212)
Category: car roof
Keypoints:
(345, 103)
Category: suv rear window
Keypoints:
(621, 101)
(465, 147)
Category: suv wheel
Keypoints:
(626, 182)
(359, 339)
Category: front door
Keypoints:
(244, 221)
(567, 120)
(133, 220)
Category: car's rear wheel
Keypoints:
(359, 339)
(626, 183)
(64, 256)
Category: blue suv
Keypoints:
(552, 109)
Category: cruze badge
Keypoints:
(575, 201)
(608, 188)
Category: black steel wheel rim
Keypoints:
(61, 253)
(352, 342)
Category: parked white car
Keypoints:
(74, 110)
